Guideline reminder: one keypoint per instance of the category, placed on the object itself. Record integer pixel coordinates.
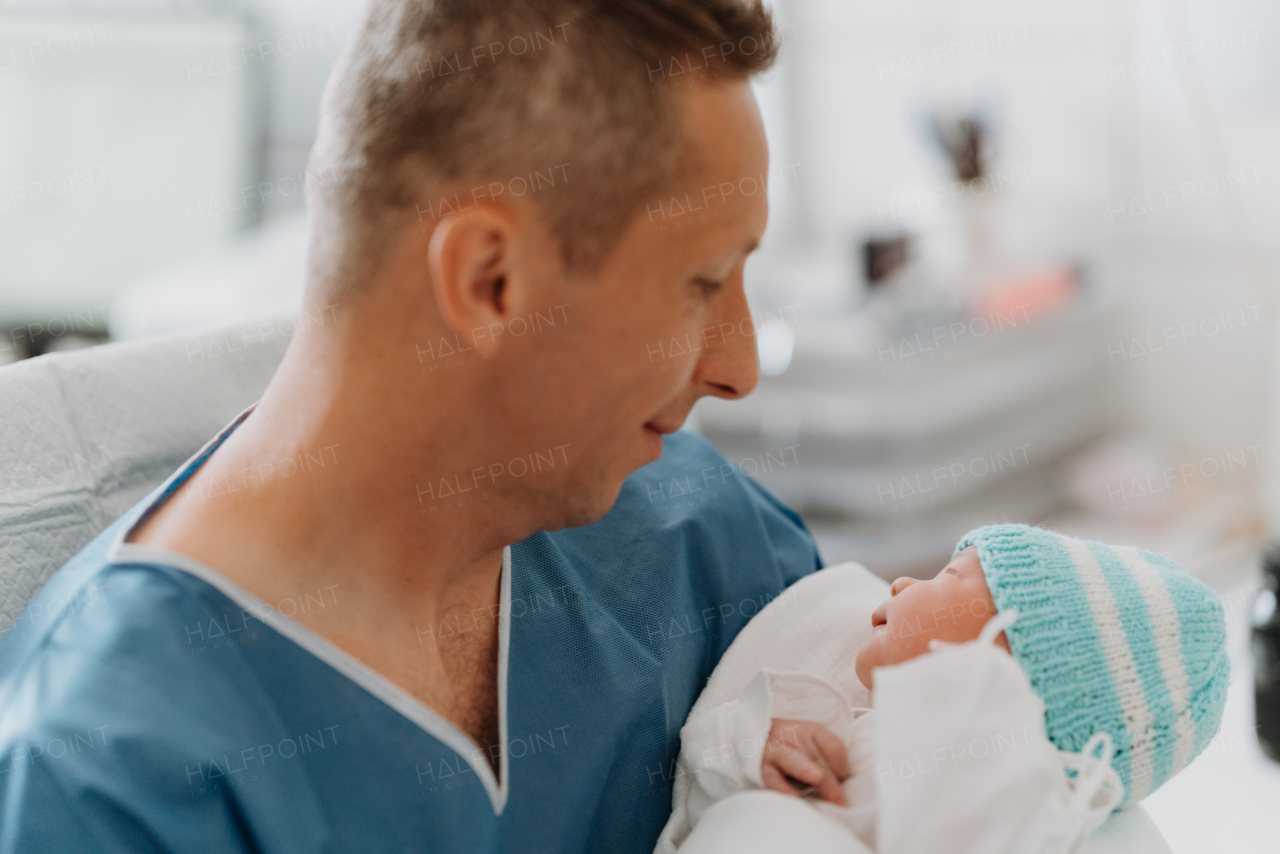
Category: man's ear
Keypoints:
(470, 264)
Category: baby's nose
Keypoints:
(900, 584)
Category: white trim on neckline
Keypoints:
(321, 648)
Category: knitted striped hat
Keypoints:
(1113, 639)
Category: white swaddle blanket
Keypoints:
(816, 628)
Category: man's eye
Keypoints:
(706, 286)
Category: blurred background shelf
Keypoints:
(121, 150)
(894, 453)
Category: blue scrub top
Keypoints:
(149, 704)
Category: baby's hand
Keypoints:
(807, 753)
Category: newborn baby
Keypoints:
(1087, 675)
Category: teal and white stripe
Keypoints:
(1202, 627)
(1152, 755)
(1124, 670)
(1160, 604)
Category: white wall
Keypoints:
(298, 43)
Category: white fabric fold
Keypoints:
(960, 738)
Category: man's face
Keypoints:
(952, 607)
(663, 323)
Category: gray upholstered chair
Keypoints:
(86, 434)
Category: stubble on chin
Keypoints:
(583, 505)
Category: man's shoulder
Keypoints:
(113, 698)
(106, 645)
(114, 712)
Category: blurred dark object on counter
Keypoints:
(884, 255)
(1265, 622)
(964, 140)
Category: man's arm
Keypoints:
(42, 815)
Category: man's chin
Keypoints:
(654, 438)
(587, 506)
(590, 503)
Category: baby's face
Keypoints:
(952, 607)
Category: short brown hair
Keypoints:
(431, 93)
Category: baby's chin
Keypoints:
(863, 664)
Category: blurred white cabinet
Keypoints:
(127, 142)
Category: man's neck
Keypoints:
(307, 496)
(316, 490)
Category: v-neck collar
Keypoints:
(343, 662)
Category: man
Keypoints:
(385, 648)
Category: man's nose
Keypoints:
(729, 367)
